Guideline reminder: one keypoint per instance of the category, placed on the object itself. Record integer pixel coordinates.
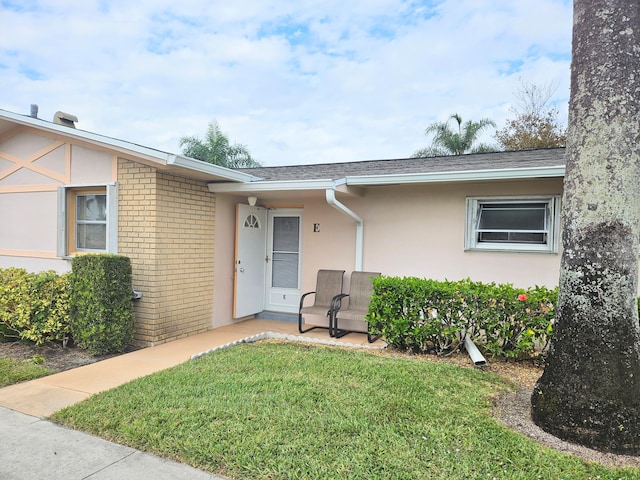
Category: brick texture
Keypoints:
(166, 227)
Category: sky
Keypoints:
(297, 81)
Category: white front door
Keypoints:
(249, 271)
(284, 242)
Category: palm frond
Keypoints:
(447, 141)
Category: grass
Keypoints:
(282, 411)
(15, 371)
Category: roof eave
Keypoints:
(458, 176)
(557, 171)
(122, 146)
(209, 168)
(274, 186)
(85, 135)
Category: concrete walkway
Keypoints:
(43, 396)
(34, 448)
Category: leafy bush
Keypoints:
(34, 306)
(414, 314)
(516, 322)
(422, 315)
(101, 310)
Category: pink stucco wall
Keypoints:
(408, 231)
(29, 198)
(91, 166)
(419, 231)
(29, 222)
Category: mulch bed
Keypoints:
(56, 358)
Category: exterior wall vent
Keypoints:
(65, 119)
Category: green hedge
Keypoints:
(34, 306)
(422, 315)
(101, 308)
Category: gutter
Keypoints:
(271, 186)
(208, 168)
(331, 200)
(257, 186)
(458, 176)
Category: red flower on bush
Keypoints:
(522, 297)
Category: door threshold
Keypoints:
(279, 316)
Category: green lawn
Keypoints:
(14, 371)
(282, 411)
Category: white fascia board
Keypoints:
(272, 186)
(458, 176)
(163, 158)
(84, 135)
(209, 168)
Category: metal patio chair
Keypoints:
(328, 285)
(359, 297)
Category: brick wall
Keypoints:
(166, 226)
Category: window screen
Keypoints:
(286, 245)
(525, 224)
(513, 223)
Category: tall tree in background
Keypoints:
(452, 141)
(217, 149)
(590, 390)
(535, 124)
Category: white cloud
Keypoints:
(298, 82)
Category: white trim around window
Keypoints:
(80, 228)
(514, 224)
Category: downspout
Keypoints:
(331, 200)
(476, 357)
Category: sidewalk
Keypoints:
(34, 448)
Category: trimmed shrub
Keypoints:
(429, 316)
(101, 309)
(34, 306)
(414, 314)
(516, 323)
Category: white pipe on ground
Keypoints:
(474, 353)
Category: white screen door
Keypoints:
(249, 271)
(283, 260)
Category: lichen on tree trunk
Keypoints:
(590, 390)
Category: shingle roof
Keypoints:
(550, 157)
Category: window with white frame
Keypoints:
(527, 224)
(87, 220)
